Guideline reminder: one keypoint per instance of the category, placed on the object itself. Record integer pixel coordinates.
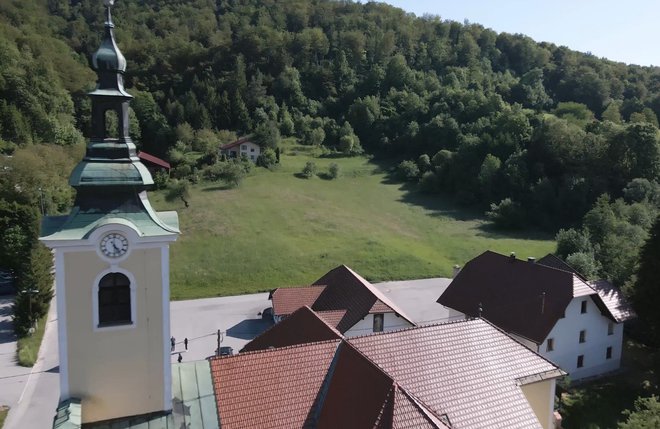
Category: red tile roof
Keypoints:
(463, 374)
(144, 156)
(332, 317)
(347, 290)
(467, 370)
(303, 326)
(271, 389)
(521, 297)
(287, 300)
(237, 142)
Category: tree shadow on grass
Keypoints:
(214, 188)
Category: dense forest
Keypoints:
(532, 133)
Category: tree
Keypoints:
(407, 171)
(572, 241)
(309, 170)
(178, 190)
(645, 293)
(584, 263)
(267, 135)
(508, 214)
(267, 158)
(646, 414)
(334, 171)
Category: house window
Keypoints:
(252, 157)
(251, 149)
(610, 328)
(378, 322)
(114, 300)
(583, 306)
(580, 361)
(244, 147)
(551, 345)
(583, 336)
(608, 353)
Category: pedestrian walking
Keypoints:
(185, 343)
(172, 342)
(180, 358)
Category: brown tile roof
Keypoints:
(462, 374)
(287, 300)
(270, 389)
(520, 297)
(331, 317)
(347, 290)
(303, 326)
(466, 370)
(357, 391)
(613, 300)
(144, 156)
(237, 142)
(607, 297)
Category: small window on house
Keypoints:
(583, 336)
(244, 147)
(378, 322)
(583, 306)
(610, 328)
(580, 361)
(114, 300)
(252, 157)
(608, 353)
(551, 345)
(251, 149)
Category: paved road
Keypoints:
(32, 393)
(34, 397)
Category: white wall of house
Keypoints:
(250, 150)
(365, 326)
(567, 347)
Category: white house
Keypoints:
(345, 300)
(243, 147)
(547, 306)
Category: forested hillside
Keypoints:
(532, 133)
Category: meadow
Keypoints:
(277, 229)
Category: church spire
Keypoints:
(111, 161)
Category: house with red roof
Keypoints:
(547, 306)
(465, 374)
(243, 147)
(153, 163)
(344, 298)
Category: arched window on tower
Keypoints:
(114, 300)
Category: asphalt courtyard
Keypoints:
(33, 394)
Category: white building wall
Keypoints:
(365, 326)
(567, 347)
(250, 150)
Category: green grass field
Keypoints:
(280, 230)
(3, 415)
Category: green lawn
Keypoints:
(279, 230)
(27, 348)
(598, 404)
(3, 414)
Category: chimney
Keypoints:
(457, 269)
(531, 259)
(512, 256)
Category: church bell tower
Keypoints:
(112, 265)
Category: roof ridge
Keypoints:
(314, 343)
(379, 295)
(409, 328)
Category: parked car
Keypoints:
(226, 351)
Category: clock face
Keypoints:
(114, 245)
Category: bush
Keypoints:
(407, 171)
(267, 159)
(429, 182)
(507, 214)
(309, 170)
(334, 171)
(160, 179)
